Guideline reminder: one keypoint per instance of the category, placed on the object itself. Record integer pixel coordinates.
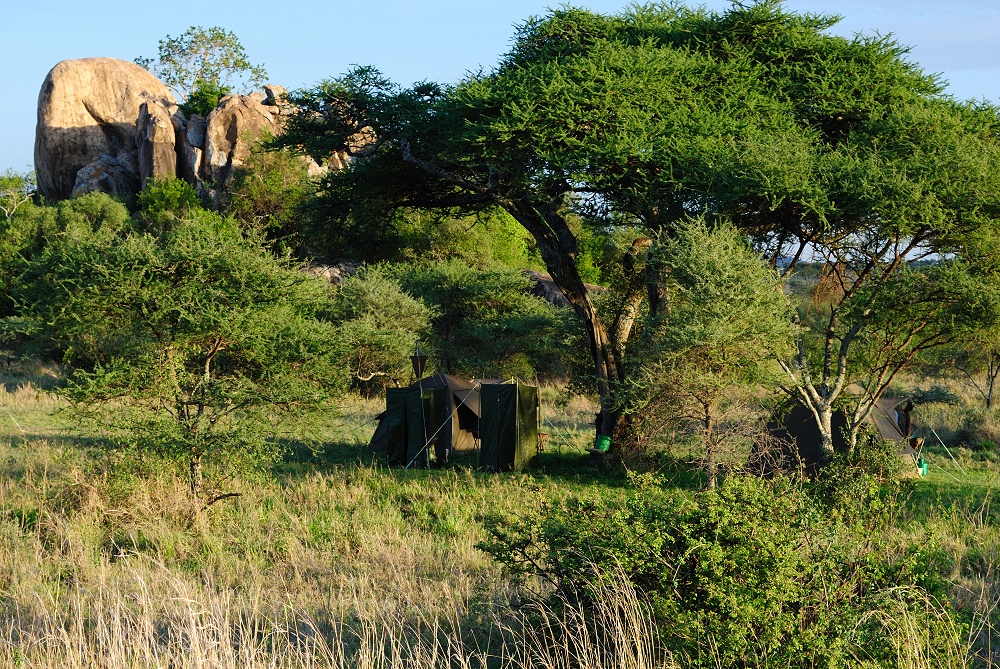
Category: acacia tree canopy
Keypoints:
(803, 139)
(212, 58)
(193, 343)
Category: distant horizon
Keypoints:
(440, 40)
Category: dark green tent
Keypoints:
(451, 415)
(508, 426)
(799, 439)
(411, 422)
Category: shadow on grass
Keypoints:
(303, 457)
(569, 467)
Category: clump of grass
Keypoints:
(150, 617)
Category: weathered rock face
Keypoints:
(232, 128)
(109, 125)
(190, 149)
(117, 175)
(157, 150)
(87, 109)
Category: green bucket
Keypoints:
(922, 466)
(603, 443)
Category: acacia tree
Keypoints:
(212, 58)
(697, 354)
(803, 139)
(191, 343)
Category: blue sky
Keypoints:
(301, 42)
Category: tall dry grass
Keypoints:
(149, 616)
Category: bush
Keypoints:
(190, 344)
(757, 573)
(204, 98)
(163, 201)
(34, 228)
(980, 430)
(265, 193)
(487, 325)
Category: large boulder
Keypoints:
(232, 128)
(88, 109)
(156, 138)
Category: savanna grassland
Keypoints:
(332, 560)
(738, 213)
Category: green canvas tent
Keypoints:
(796, 427)
(508, 427)
(410, 423)
(450, 413)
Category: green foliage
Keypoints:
(707, 272)
(16, 188)
(265, 195)
(190, 344)
(204, 97)
(860, 486)
(163, 199)
(757, 573)
(33, 228)
(727, 322)
(486, 324)
(379, 325)
(483, 240)
(212, 57)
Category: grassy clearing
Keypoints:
(334, 561)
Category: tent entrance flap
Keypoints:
(508, 426)
(411, 418)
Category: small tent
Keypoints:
(508, 427)
(444, 414)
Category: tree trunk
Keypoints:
(194, 474)
(711, 467)
(825, 425)
(557, 246)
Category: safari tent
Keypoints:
(441, 415)
(889, 419)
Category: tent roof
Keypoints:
(466, 392)
(885, 418)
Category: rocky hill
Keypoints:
(109, 125)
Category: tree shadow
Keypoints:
(569, 467)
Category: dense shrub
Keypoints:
(379, 325)
(488, 325)
(757, 573)
(191, 343)
(204, 98)
(265, 193)
(33, 228)
(164, 201)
